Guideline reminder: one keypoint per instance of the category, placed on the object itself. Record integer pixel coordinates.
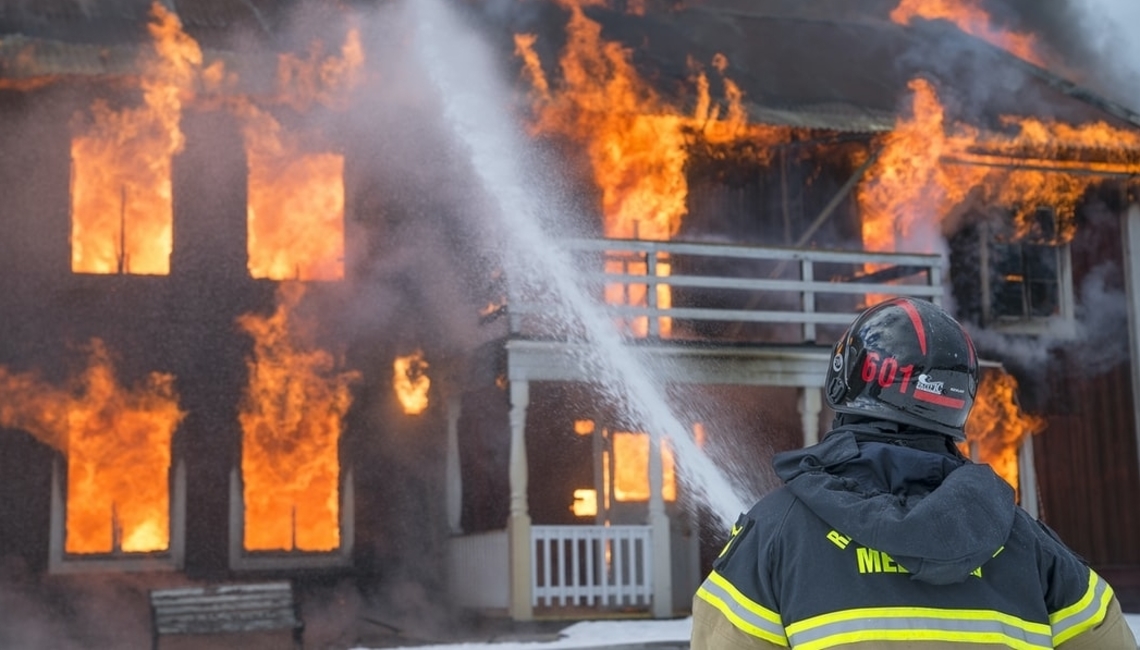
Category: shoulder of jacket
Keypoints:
(773, 510)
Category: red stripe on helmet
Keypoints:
(917, 320)
(940, 400)
(970, 347)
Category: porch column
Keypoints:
(453, 476)
(1027, 478)
(1130, 229)
(518, 521)
(810, 404)
(659, 534)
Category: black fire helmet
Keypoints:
(906, 361)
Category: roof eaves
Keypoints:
(840, 117)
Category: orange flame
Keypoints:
(637, 145)
(411, 383)
(319, 79)
(117, 442)
(997, 426)
(585, 503)
(972, 19)
(291, 417)
(296, 205)
(120, 186)
(296, 198)
(631, 473)
(927, 168)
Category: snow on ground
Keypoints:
(600, 634)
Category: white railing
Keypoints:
(732, 284)
(591, 566)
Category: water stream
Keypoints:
(461, 68)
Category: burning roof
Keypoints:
(845, 70)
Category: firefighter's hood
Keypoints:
(939, 516)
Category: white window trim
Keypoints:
(1061, 325)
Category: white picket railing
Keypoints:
(596, 566)
(724, 283)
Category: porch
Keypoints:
(701, 315)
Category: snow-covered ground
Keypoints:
(598, 634)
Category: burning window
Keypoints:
(121, 218)
(630, 477)
(121, 208)
(621, 471)
(296, 190)
(116, 442)
(631, 292)
(118, 463)
(411, 382)
(291, 418)
(1026, 280)
(122, 214)
(296, 214)
(585, 503)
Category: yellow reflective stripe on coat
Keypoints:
(1086, 613)
(747, 615)
(918, 624)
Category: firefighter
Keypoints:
(885, 536)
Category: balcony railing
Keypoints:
(682, 290)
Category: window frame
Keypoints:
(1061, 324)
(62, 562)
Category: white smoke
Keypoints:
(1108, 31)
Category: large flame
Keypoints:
(291, 419)
(117, 442)
(296, 197)
(997, 426)
(636, 143)
(971, 18)
(411, 382)
(121, 210)
(121, 185)
(296, 204)
(927, 167)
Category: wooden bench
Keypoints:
(226, 609)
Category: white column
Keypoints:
(1027, 478)
(518, 521)
(1130, 227)
(453, 475)
(659, 534)
(810, 405)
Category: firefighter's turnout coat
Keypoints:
(882, 539)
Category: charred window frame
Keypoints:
(1026, 282)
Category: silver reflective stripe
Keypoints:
(1087, 615)
(736, 607)
(869, 628)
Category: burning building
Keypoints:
(250, 333)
